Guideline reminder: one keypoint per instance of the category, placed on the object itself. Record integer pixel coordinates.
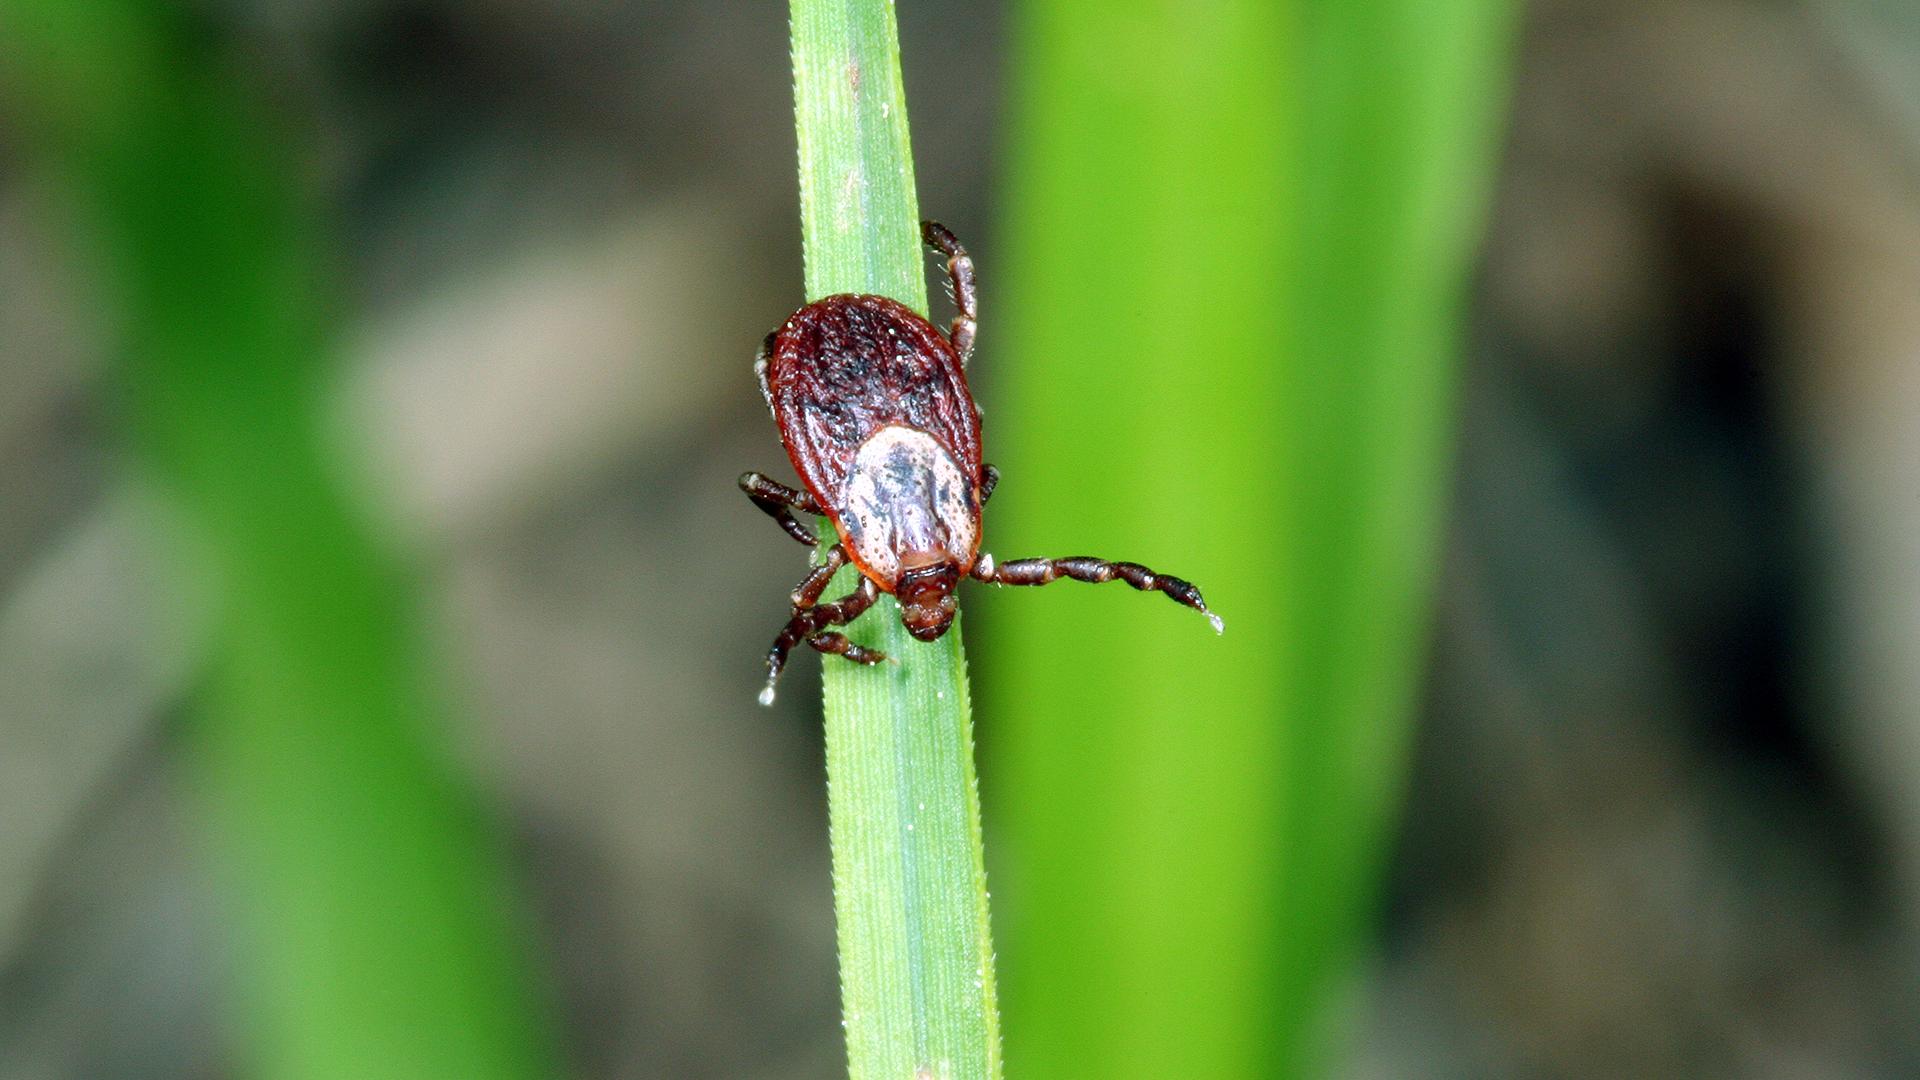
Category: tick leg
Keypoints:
(780, 501)
(807, 623)
(965, 295)
(760, 360)
(1086, 568)
(807, 593)
(989, 479)
(841, 645)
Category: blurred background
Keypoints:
(1659, 804)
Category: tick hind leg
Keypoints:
(780, 501)
(1089, 569)
(810, 624)
(965, 295)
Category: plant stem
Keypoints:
(1236, 255)
(916, 954)
(1143, 318)
(1403, 100)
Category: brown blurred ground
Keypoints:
(1666, 817)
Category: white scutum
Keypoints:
(906, 496)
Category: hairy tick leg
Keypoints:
(760, 360)
(966, 295)
(1089, 569)
(810, 621)
(780, 501)
(840, 644)
(990, 479)
(807, 593)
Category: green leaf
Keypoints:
(916, 955)
(1229, 288)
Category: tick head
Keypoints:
(926, 599)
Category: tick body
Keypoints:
(872, 405)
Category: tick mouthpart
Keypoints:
(926, 600)
(923, 625)
(928, 620)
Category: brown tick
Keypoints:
(872, 404)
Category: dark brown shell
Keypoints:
(845, 366)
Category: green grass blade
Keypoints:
(1235, 259)
(375, 935)
(916, 955)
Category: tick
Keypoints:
(872, 405)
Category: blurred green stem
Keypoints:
(1143, 313)
(916, 956)
(376, 936)
(1237, 247)
(1402, 101)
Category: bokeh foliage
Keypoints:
(1220, 342)
(1233, 271)
(376, 934)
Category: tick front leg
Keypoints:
(1089, 569)
(807, 593)
(965, 295)
(807, 624)
(989, 479)
(780, 501)
(840, 644)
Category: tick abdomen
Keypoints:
(907, 503)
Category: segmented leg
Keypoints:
(807, 623)
(807, 593)
(780, 501)
(1089, 569)
(760, 360)
(841, 645)
(960, 276)
(989, 481)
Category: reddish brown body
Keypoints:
(872, 405)
(843, 370)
